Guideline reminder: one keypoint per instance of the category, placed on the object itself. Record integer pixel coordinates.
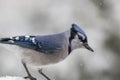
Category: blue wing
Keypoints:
(49, 44)
(38, 43)
(25, 41)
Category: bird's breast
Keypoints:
(38, 58)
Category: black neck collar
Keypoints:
(72, 35)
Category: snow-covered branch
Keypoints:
(11, 78)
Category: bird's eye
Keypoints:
(80, 37)
(83, 40)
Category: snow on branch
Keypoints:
(11, 78)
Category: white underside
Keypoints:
(41, 59)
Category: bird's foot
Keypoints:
(30, 77)
(40, 71)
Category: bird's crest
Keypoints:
(78, 29)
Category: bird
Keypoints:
(43, 50)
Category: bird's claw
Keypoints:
(30, 77)
(40, 71)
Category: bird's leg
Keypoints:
(28, 73)
(40, 71)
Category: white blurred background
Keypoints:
(99, 18)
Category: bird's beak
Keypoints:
(88, 47)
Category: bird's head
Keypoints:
(78, 38)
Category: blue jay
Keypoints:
(48, 49)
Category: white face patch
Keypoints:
(76, 44)
(76, 37)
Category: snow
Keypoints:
(11, 78)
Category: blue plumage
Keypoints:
(25, 41)
(48, 44)
(44, 44)
(49, 49)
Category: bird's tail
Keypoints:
(6, 40)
